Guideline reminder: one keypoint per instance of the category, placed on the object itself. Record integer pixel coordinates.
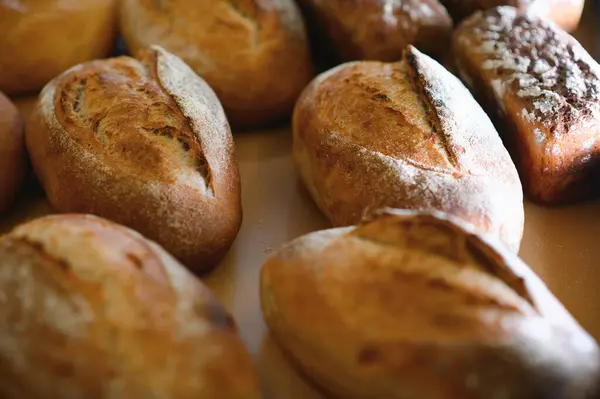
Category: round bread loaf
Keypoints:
(375, 29)
(13, 159)
(565, 13)
(91, 309)
(41, 38)
(144, 143)
(418, 305)
(405, 135)
(253, 53)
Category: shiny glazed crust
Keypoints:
(94, 310)
(406, 135)
(41, 38)
(143, 143)
(411, 305)
(379, 30)
(13, 159)
(253, 53)
(564, 13)
(543, 89)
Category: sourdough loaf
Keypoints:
(543, 90)
(407, 135)
(143, 142)
(376, 30)
(91, 309)
(418, 305)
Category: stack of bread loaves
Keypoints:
(417, 293)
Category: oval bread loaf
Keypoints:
(543, 90)
(405, 135)
(144, 143)
(253, 53)
(41, 38)
(91, 309)
(418, 305)
(377, 30)
(565, 13)
(13, 158)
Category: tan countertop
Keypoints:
(561, 244)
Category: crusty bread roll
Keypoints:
(91, 309)
(13, 159)
(413, 305)
(144, 143)
(41, 38)
(253, 53)
(377, 30)
(565, 13)
(405, 135)
(543, 89)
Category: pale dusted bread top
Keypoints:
(413, 128)
(536, 65)
(421, 304)
(95, 310)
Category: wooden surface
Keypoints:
(561, 244)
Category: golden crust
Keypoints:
(94, 310)
(41, 38)
(377, 30)
(406, 135)
(418, 305)
(543, 89)
(13, 158)
(253, 53)
(146, 144)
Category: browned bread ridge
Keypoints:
(543, 89)
(377, 30)
(91, 309)
(565, 13)
(41, 38)
(13, 158)
(419, 305)
(405, 135)
(144, 143)
(253, 53)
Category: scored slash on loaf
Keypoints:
(418, 305)
(143, 142)
(406, 135)
(543, 90)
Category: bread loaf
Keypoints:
(543, 90)
(144, 143)
(13, 161)
(377, 30)
(406, 135)
(91, 309)
(41, 38)
(418, 305)
(253, 53)
(565, 13)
